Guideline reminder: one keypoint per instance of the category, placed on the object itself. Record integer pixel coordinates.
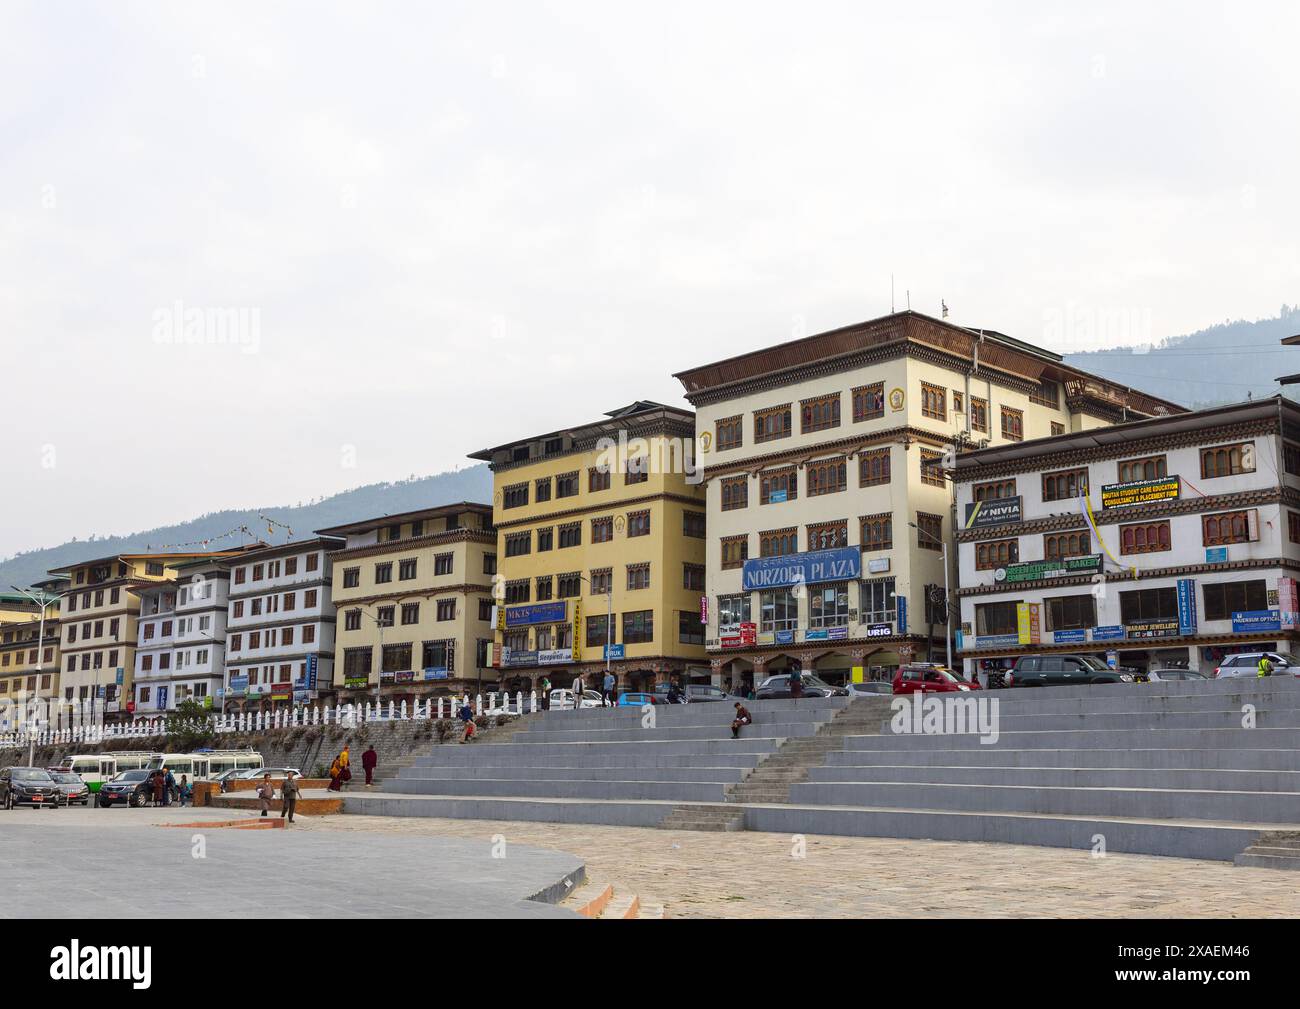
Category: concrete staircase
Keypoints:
(1205, 769)
(791, 763)
(616, 766)
(609, 901)
(1274, 849)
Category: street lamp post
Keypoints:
(947, 608)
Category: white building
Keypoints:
(155, 645)
(1175, 539)
(280, 625)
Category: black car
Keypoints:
(132, 788)
(775, 687)
(71, 787)
(1062, 670)
(692, 692)
(28, 786)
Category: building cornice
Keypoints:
(1150, 512)
(1127, 645)
(848, 447)
(464, 588)
(1126, 575)
(611, 507)
(415, 543)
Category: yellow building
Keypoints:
(413, 596)
(29, 667)
(596, 520)
(98, 624)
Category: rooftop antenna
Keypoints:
(945, 308)
(891, 294)
(909, 299)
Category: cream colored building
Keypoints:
(829, 502)
(29, 666)
(601, 518)
(413, 594)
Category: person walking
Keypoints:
(158, 783)
(579, 688)
(743, 717)
(368, 761)
(339, 772)
(288, 796)
(545, 688)
(169, 786)
(466, 715)
(607, 690)
(796, 684)
(266, 792)
(1265, 665)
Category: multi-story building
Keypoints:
(181, 643)
(279, 647)
(829, 507)
(99, 624)
(1168, 540)
(29, 665)
(414, 599)
(605, 519)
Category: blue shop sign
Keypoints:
(1186, 606)
(1114, 632)
(811, 568)
(1069, 637)
(1216, 555)
(613, 652)
(436, 673)
(537, 613)
(1256, 620)
(996, 640)
(785, 637)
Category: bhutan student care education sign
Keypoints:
(810, 568)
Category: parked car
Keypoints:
(872, 688)
(1159, 675)
(28, 786)
(131, 788)
(637, 699)
(1062, 670)
(1247, 664)
(778, 686)
(693, 692)
(255, 773)
(71, 787)
(929, 677)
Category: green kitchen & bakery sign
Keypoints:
(1037, 571)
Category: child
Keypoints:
(186, 791)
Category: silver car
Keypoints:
(1247, 664)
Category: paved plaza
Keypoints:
(363, 866)
(122, 863)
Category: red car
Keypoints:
(926, 677)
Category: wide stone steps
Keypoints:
(721, 731)
(626, 772)
(1064, 777)
(710, 818)
(1273, 850)
(671, 791)
(648, 748)
(1215, 759)
(1009, 722)
(1100, 738)
(1150, 803)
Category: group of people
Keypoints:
(289, 792)
(163, 789)
(341, 767)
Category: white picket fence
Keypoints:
(347, 715)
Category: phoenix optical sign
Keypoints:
(810, 568)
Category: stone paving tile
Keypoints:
(753, 875)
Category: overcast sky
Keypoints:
(449, 225)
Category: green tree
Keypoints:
(190, 725)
